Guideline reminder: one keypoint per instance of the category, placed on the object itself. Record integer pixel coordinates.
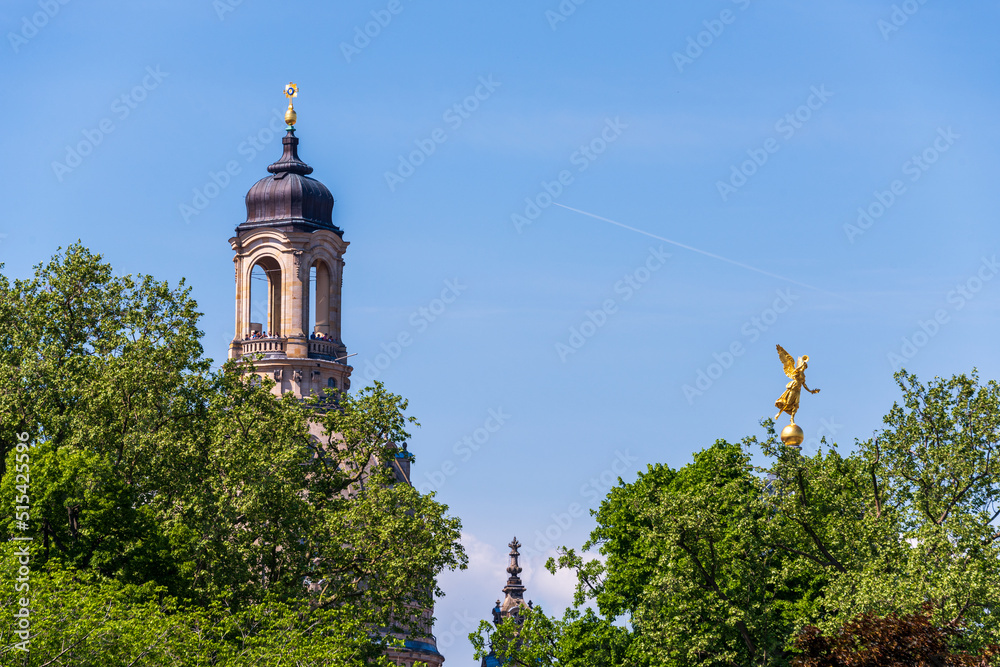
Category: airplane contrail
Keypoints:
(701, 252)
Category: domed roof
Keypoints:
(288, 199)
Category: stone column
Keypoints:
(236, 347)
(297, 346)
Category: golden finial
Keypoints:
(789, 401)
(291, 90)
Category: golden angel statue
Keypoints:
(789, 401)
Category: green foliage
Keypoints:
(724, 563)
(685, 566)
(191, 498)
(580, 639)
(908, 518)
(84, 620)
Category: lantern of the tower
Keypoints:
(289, 260)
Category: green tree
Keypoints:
(84, 620)
(725, 563)
(683, 575)
(684, 565)
(169, 493)
(908, 518)
(580, 639)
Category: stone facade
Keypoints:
(513, 604)
(295, 361)
(289, 233)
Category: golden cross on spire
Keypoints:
(291, 90)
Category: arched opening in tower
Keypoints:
(264, 303)
(319, 304)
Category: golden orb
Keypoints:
(290, 115)
(792, 435)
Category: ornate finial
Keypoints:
(789, 401)
(291, 90)
(514, 590)
(514, 568)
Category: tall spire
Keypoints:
(513, 603)
(514, 588)
(288, 200)
(289, 160)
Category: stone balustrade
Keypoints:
(323, 349)
(264, 346)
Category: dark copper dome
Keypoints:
(288, 199)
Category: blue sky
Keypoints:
(753, 131)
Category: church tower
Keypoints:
(289, 259)
(513, 604)
(290, 256)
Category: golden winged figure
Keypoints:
(789, 401)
